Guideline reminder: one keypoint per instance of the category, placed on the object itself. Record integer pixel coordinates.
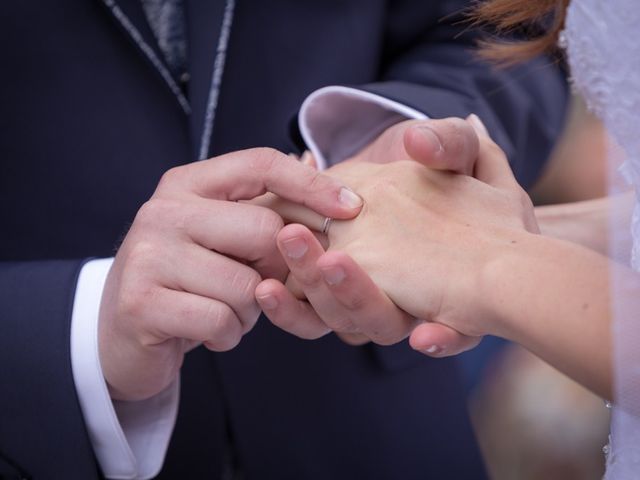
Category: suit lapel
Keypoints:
(208, 29)
(131, 18)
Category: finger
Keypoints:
(271, 265)
(437, 340)
(492, 166)
(241, 230)
(174, 314)
(295, 288)
(301, 249)
(369, 308)
(341, 293)
(291, 212)
(288, 313)
(270, 200)
(247, 174)
(209, 274)
(448, 144)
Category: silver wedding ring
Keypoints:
(326, 225)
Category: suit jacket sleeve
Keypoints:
(36, 300)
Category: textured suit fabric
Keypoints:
(87, 128)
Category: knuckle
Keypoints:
(148, 213)
(308, 277)
(383, 187)
(314, 180)
(244, 283)
(163, 214)
(154, 211)
(460, 140)
(457, 142)
(137, 292)
(264, 160)
(222, 326)
(141, 257)
(172, 177)
(459, 125)
(268, 224)
(355, 302)
(135, 300)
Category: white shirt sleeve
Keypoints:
(130, 439)
(337, 122)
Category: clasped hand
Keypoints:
(193, 265)
(415, 258)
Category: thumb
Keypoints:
(449, 144)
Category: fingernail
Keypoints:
(349, 198)
(432, 137)
(333, 275)
(295, 247)
(268, 302)
(432, 350)
(477, 124)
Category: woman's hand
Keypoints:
(425, 237)
(309, 310)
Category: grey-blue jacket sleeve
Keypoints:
(38, 403)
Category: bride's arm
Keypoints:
(589, 223)
(554, 298)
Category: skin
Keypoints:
(589, 222)
(188, 267)
(197, 251)
(305, 307)
(466, 253)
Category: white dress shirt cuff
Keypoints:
(337, 122)
(130, 439)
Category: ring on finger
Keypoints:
(326, 225)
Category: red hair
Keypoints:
(509, 15)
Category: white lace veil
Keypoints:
(623, 451)
(601, 40)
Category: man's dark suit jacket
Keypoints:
(88, 126)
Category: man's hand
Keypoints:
(188, 268)
(360, 311)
